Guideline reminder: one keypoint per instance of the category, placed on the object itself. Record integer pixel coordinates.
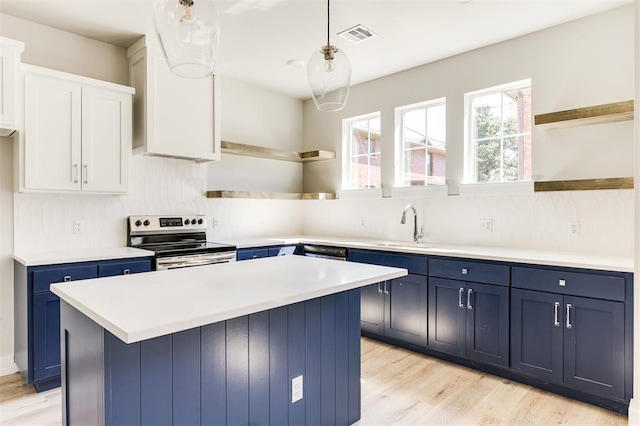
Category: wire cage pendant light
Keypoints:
(329, 75)
(188, 32)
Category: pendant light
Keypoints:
(329, 75)
(188, 32)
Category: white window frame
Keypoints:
(346, 149)
(399, 137)
(469, 166)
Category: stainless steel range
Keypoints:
(177, 241)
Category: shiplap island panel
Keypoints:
(217, 344)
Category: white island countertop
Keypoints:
(143, 306)
(504, 254)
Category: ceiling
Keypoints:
(259, 36)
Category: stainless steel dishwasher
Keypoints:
(325, 252)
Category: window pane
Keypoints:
(500, 138)
(423, 146)
(364, 159)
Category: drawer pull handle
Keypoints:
(126, 272)
(562, 283)
(556, 308)
(67, 278)
(469, 299)
(569, 325)
(380, 288)
(465, 271)
(255, 256)
(386, 288)
(460, 304)
(75, 173)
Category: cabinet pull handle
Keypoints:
(380, 287)
(556, 307)
(86, 173)
(75, 173)
(255, 256)
(569, 325)
(126, 272)
(562, 283)
(386, 288)
(460, 304)
(469, 299)
(465, 271)
(67, 278)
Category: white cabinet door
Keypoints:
(52, 127)
(10, 51)
(106, 140)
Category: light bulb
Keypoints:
(328, 65)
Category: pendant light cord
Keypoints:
(328, 22)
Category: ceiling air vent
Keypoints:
(357, 34)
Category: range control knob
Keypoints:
(138, 222)
(200, 221)
(187, 221)
(146, 223)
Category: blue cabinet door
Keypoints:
(594, 346)
(406, 309)
(372, 307)
(124, 267)
(46, 336)
(537, 334)
(487, 328)
(447, 315)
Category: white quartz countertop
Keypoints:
(57, 257)
(530, 256)
(143, 306)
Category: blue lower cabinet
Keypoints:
(372, 299)
(470, 320)
(574, 341)
(37, 313)
(246, 254)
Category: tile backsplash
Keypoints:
(44, 222)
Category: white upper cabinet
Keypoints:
(77, 134)
(174, 117)
(10, 51)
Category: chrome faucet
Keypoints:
(416, 235)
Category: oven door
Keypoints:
(186, 261)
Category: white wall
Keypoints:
(43, 222)
(585, 62)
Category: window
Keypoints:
(499, 134)
(362, 153)
(421, 144)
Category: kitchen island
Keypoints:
(273, 341)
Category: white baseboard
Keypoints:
(634, 411)
(7, 366)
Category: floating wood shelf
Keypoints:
(275, 154)
(273, 195)
(599, 114)
(584, 184)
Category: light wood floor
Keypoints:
(399, 387)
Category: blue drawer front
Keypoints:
(469, 270)
(600, 286)
(124, 267)
(251, 254)
(43, 278)
(415, 264)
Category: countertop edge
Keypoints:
(76, 256)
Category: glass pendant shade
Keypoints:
(329, 75)
(188, 32)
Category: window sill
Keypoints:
(359, 194)
(428, 191)
(502, 188)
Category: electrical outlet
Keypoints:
(486, 225)
(215, 223)
(78, 226)
(363, 223)
(574, 229)
(296, 389)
